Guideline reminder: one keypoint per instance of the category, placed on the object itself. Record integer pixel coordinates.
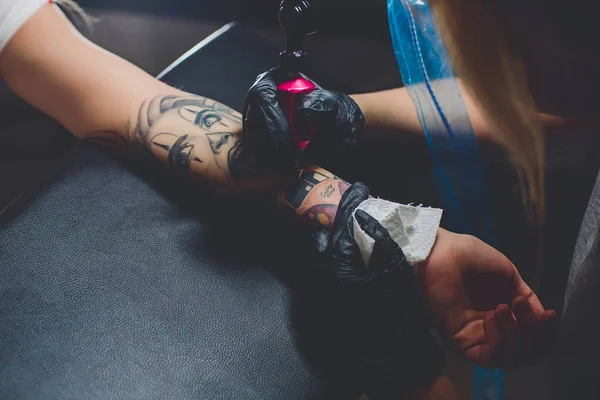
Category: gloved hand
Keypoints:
(336, 118)
(385, 319)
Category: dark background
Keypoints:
(341, 16)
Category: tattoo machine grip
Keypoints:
(297, 19)
(290, 94)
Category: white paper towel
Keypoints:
(414, 229)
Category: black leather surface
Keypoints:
(225, 68)
(117, 284)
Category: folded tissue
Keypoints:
(414, 229)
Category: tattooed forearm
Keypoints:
(315, 197)
(203, 138)
(194, 134)
(200, 111)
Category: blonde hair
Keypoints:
(478, 45)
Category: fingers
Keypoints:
(270, 77)
(484, 354)
(530, 313)
(522, 330)
(506, 354)
(498, 340)
(527, 319)
(263, 88)
(517, 336)
(524, 312)
(266, 129)
(317, 86)
(373, 228)
(385, 251)
(345, 250)
(321, 241)
(262, 107)
(537, 328)
(548, 327)
(319, 103)
(492, 332)
(542, 335)
(523, 290)
(351, 199)
(481, 341)
(471, 335)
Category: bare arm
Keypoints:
(85, 88)
(101, 97)
(394, 110)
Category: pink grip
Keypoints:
(290, 95)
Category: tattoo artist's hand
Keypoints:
(390, 326)
(337, 120)
(477, 294)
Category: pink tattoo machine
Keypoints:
(297, 19)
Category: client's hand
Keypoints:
(336, 118)
(477, 294)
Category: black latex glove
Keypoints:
(337, 120)
(380, 303)
(388, 273)
(266, 129)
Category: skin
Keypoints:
(209, 147)
(394, 110)
(315, 200)
(479, 297)
(102, 98)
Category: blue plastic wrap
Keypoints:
(429, 78)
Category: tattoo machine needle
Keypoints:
(297, 19)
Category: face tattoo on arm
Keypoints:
(194, 134)
(201, 137)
